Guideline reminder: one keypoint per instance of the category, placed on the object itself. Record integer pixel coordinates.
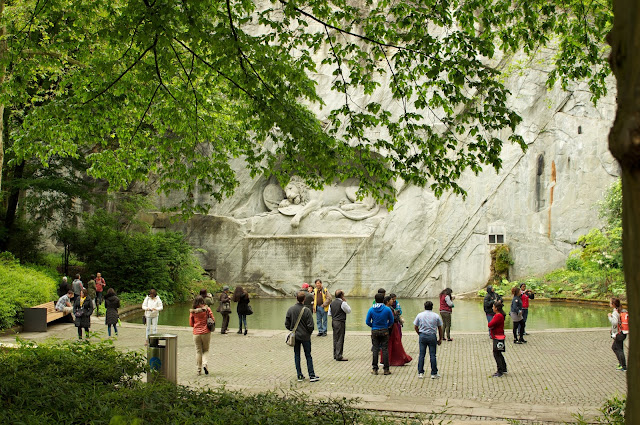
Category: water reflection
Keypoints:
(468, 315)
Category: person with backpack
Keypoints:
(619, 320)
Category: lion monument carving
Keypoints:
(300, 200)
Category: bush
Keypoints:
(136, 261)
(103, 381)
(22, 286)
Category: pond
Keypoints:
(468, 315)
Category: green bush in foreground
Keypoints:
(87, 382)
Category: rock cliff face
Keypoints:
(539, 204)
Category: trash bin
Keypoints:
(162, 355)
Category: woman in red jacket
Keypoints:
(198, 316)
(496, 329)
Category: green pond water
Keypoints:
(468, 315)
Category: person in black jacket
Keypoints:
(82, 311)
(489, 299)
(303, 335)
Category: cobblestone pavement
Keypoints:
(559, 373)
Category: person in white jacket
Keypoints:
(151, 305)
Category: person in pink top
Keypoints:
(100, 285)
(198, 316)
(525, 296)
(496, 330)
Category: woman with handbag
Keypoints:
(516, 316)
(244, 309)
(496, 331)
(225, 309)
(201, 320)
(82, 311)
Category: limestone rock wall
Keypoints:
(540, 202)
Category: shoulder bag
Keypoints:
(211, 323)
(249, 310)
(499, 345)
(516, 317)
(291, 337)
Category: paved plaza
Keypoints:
(557, 374)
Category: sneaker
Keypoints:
(387, 372)
(449, 339)
(619, 367)
(206, 371)
(496, 375)
(301, 378)
(421, 376)
(374, 371)
(515, 341)
(314, 379)
(522, 341)
(436, 376)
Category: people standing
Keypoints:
(207, 297)
(379, 319)
(338, 310)
(321, 301)
(619, 320)
(525, 296)
(489, 299)
(111, 317)
(91, 290)
(63, 288)
(152, 306)
(241, 297)
(446, 308)
(428, 326)
(198, 316)
(496, 331)
(224, 309)
(302, 335)
(82, 311)
(516, 316)
(77, 286)
(100, 287)
(397, 355)
(308, 296)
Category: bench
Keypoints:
(37, 317)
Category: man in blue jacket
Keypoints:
(380, 319)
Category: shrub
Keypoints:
(22, 286)
(136, 261)
(103, 382)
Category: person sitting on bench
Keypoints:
(64, 303)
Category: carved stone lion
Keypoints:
(300, 200)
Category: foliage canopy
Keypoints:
(175, 90)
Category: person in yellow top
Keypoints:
(321, 300)
(82, 311)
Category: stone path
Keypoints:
(559, 373)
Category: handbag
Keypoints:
(211, 324)
(79, 313)
(515, 317)
(499, 345)
(249, 310)
(291, 337)
(144, 320)
(224, 307)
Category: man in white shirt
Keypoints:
(426, 325)
(338, 310)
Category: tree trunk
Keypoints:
(624, 143)
(3, 70)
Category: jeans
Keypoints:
(525, 314)
(338, 328)
(306, 345)
(617, 347)
(431, 341)
(152, 326)
(115, 329)
(202, 349)
(321, 317)
(242, 318)
(380, 341)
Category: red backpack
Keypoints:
(623, 323)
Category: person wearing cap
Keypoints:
(224, 308)
(308, 296)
